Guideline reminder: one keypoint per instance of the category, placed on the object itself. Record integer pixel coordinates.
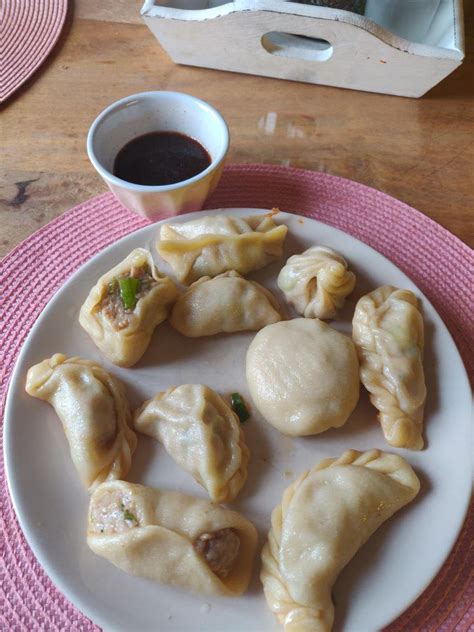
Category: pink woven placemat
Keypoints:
(439, 263)
(28, 31)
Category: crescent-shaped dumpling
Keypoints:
(316, 282)
(225, 303)
(388, 331)
(94, 411)
(125, 306)
(172, 538)
(325, 516)
(214, 244)
(202, 434)
(303, 376)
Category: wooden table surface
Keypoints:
(418, 150)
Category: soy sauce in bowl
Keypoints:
(161, 158)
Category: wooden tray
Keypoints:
(307, 43)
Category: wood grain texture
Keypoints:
(420, 151)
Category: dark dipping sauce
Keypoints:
(161, 158)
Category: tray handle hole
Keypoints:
(297, 46)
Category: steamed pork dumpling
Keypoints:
(325, 516)
(388, 332)
(316, 282)
(172, 538)
(124, 307)
(94, 411)
(303, 376)
(214, 244)
(225, 303)
(202, 434)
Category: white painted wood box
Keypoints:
(301, 42)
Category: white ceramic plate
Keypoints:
(383, 579)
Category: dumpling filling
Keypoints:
(113, 512)
(220, 550)
(123, 294)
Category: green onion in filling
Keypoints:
(129, 516)
(239, 407)
(129, 287)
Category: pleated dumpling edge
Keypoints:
(125, 306)
(202, 434)
(225, 303)
(213, 244)
(94, 411)
(325, 516)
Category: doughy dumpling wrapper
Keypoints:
(226, 303)
(316, 282)
(303, 376)
(214, 244)
(388, 332)
(157, 534)
(123, 334)
(94, 411)
(325, 516)
(202, 434)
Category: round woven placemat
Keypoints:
(28, 31)
(440, 264)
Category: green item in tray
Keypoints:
(356, 6)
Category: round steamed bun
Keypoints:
(303, 376)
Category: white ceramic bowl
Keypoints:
(148, 112)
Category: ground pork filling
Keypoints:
(220, 550)
(113, 512)
(112, 305)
